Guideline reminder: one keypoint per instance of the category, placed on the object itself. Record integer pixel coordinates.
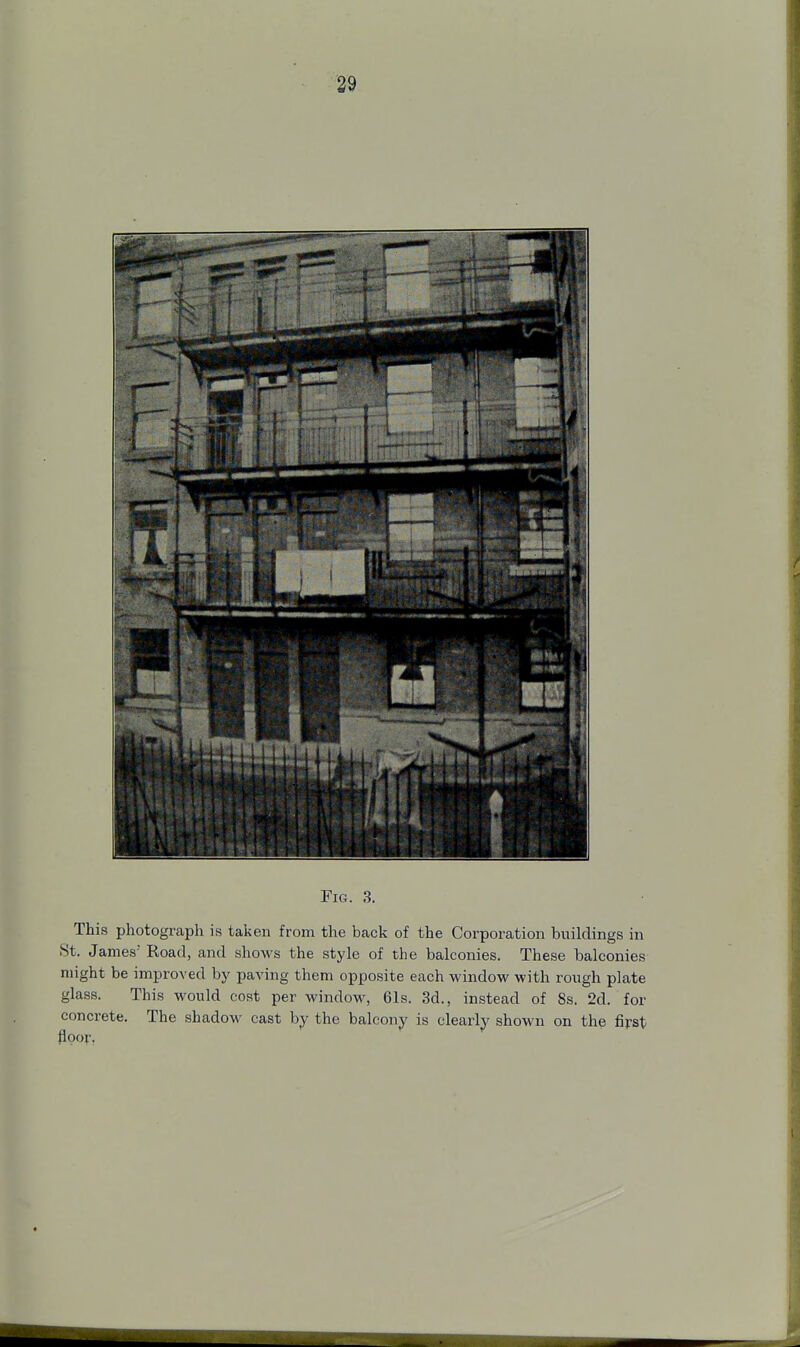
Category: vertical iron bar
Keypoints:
(234, 809)
(296, 806)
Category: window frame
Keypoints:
(405, 275)
(413, 643)
(142, 505)
(521, 272)
(137, 656)
(548, 640)
(163, 446)
(392, 395)
(410, 560)
(550, 499)
(544, 418)
(140, 307)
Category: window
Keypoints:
(154, 306)
(411, 527)
(225, 407)
(269, 294)
(227, 300)
(536, 392)
(150, 662)
(409, 398)
(412, 673)
(317, 289)
(407, 277)
(151, 416)
(318, 523)
(317, 390)
(149, 535)
(541, 526)
(530, 268)
(542, 675)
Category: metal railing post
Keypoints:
(496, 825)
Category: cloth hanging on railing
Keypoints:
(394, 790)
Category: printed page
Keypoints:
(397, 919)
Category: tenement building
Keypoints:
(351, 491)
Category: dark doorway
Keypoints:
(226, 526)
(225, 408)
(271, 533)
(226, 683)
(272, 686)
(319, 687)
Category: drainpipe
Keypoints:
(177, 509)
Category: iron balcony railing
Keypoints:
(270, 301)
(457, 581)
(363, 437)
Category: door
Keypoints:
(318, 398)
(226, 683)
(272, 420)
(225, 405)
(317, 521)
(319, 687)
(271, 532)
(272, 687)
(226, 523)
(226, 302)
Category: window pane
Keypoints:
(317, 288)
(411, 527)
(407, 277)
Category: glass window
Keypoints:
(536, 392)
(151, 416)
(412, 673)
(154, 306)
(409, 398)
(149, 535)
(542, 672)
(407, 277)
(411, 527)
(530, 268)
(150, 662)
(541, 526)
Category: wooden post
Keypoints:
(496, 826)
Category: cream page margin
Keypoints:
(364, 1183)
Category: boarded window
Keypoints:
(412, 673)
(151, 416)
(541, 526)
(150, 662)
(409, 398)
(149, 535)
(411, 526)
(407, 277)
(154, 306)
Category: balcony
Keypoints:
(361, 439)
(261, 309)
(359, 581)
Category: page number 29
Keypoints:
(345, 84)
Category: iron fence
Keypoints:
(269, 301)
(312, 800)
(364, 437)
(456, 581)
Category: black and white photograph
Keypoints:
(350, 541)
